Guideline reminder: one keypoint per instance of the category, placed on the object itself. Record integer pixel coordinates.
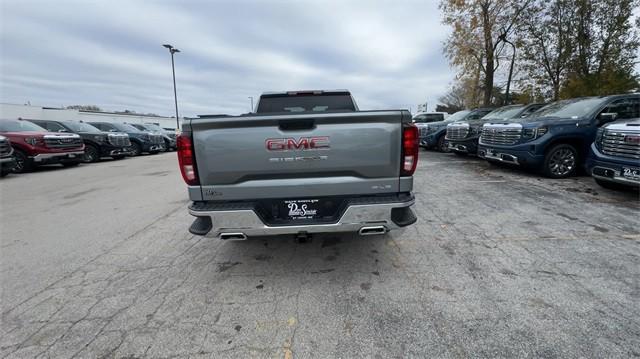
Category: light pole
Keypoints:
(251, 98)
(173, 50)
(513, 59)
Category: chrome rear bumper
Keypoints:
(365, 219)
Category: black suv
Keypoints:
(168, 136)
(141, 141)
(97, 144)
(461, 135)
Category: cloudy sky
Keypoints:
(109, 53)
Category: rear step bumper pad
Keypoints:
(359, 214)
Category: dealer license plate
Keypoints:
(301, 208)
(631, 173)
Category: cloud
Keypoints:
(109, 54)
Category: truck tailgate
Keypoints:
(304, 155)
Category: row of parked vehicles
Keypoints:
(25, 144)
(598, 134)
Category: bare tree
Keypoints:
(546, 43)
(477, 39)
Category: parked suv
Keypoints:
(427, 117)
(168, 136)
(7, 161)
(141, 141)
(462, 136)
(614, 159)
(33, 145)
(556, 139)
(432, 135)
(97, 143)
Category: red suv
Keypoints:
(34, 146)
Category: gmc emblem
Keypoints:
(633, 139)
(292, 144)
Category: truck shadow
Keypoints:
(284, 256)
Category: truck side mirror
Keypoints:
(606, 117)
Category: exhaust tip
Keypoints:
(233, 236)
(372, 230)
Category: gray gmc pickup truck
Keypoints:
(304, 162)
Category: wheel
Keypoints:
(23, 163)
(136, 150)
(119, 157)
(561, 161)
(154, 153)
(443, 145)
(461, 154)
(3, 173)
(91, 154)
(70, 164)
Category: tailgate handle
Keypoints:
(293, 125)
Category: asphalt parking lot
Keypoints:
(96, 261)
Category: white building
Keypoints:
(26, 112)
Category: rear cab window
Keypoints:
(313, 101)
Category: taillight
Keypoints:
(410, 149)
(187, 159)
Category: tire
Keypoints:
(119, 157)
(136, 150)
(461, 154)
(91, 154)
(70, 164)
(443, 145)
(3, 173)
(561, 161)
(154, 153)
(23, 163)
